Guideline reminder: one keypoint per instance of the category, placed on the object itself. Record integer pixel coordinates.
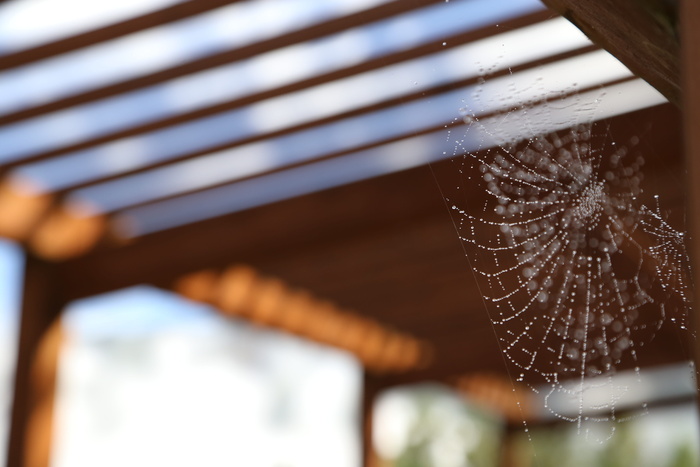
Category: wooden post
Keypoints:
(37, 358)
(370, 390)
(509, 445)
(690, 66)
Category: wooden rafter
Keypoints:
(641, 34)
(385, 104)
(292, 225)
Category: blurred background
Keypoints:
(226, 240)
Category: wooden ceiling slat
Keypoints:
(447, 124)
(374, 107)
(356, 112)
(328, 156)
(306, 34)
(369, 65)
(156, 18)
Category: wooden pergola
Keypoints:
(371, 264)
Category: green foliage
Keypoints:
(562, 447)
(445, 424)
(684, 456)
(447, 432)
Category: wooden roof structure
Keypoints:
(277, 171)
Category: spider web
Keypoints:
(577, 271)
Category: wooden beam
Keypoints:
(35, 368)
(291, 225)
(690, 18)
(641, 34)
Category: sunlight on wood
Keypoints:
(43, 389)
(268, 302)
(293, 320)
(234, 292)
(21, 207)
(198, 286)
(241, 291)
(39, 427)
(66, 233)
